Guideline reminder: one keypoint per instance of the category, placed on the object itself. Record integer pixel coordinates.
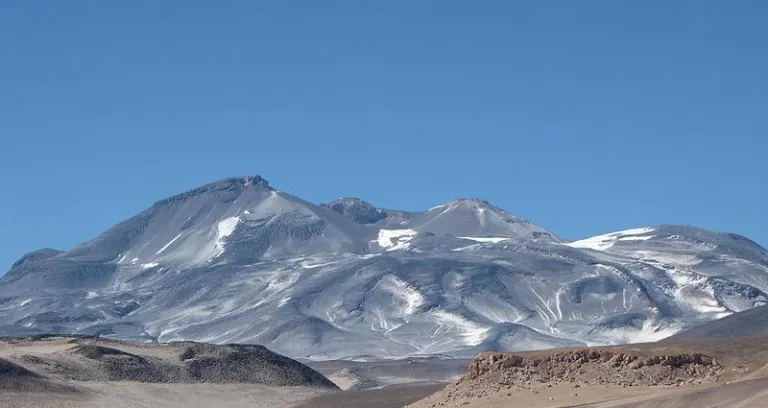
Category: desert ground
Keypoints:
(388, 397)
(99, 394)
(89, 372)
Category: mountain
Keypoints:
(238, 261)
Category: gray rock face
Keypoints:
(357, 210)
(238, 261)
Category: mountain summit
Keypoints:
(473, 216)
(358, 210)
(238, 261)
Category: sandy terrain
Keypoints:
(390, 397)
(740, 394)
(120, 394)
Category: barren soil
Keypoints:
(89, 373)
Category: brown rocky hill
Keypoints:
(670, 374)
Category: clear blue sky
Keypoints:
(585, 117)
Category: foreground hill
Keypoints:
(84, 371)
(239, 261)
(693, 374)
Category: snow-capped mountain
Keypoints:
(239, 261)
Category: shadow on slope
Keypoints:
(16, 378)
(752, 322)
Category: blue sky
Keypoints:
(586, 117)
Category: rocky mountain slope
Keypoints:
(238, 261)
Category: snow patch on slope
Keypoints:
(649, 332)
(603, 242)
(225, 229)
(493, 240)
(492, 309)
(471, 332)
(411, 297)
(393, 240)
(168, 244)
(694, 291)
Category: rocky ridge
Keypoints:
(594, 366)
(499, 373)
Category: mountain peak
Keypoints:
(356, 209)
(36, 256)
(228, 188)
(256, 181)
(350, 201)
(236, 182)
(471, 201)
